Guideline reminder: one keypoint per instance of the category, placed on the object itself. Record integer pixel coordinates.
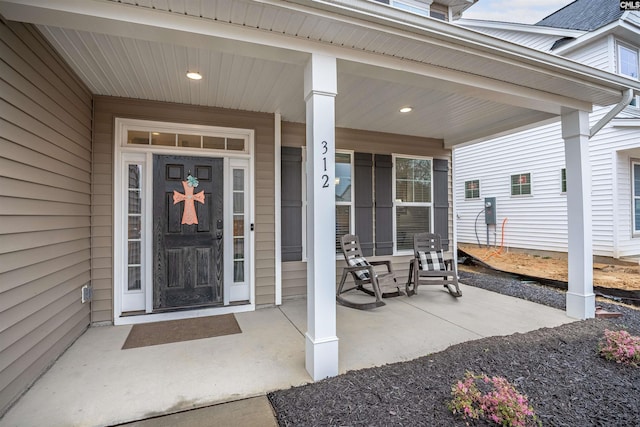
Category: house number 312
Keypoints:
(325, 177)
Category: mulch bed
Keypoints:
(559, 369)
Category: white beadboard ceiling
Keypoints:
(252, 55)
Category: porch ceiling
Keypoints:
(462, 85)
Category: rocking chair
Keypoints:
(366, 279)
(429, 266)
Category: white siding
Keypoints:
(537, 41)
(596, 54)
(540, 221)
(626, 148)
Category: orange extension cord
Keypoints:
(498, 251)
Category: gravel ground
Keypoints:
(559, 369)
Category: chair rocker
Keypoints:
(428, 267)
(365, 277)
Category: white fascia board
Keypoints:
(524, 28)
(430, 31)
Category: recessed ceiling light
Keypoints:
(194, 76)
(406, 109)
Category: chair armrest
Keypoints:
(386, 262)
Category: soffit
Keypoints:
(459, 90)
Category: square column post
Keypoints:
(581, 301)
(320, 89)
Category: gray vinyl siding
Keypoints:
(106, 110)
(45, 200)
(294, 274)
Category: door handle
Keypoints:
(219, 229)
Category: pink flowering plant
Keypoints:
(493, 399)
(621, 347)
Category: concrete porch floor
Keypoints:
(95, 383)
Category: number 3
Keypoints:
(324, 147)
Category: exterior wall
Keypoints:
(596, 54)
(533, 40)
(45, 167)
(625, 149)
(106, 110)
(294, 273)
(539, 221)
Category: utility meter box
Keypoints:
(490, 210)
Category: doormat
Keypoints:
(181, 330)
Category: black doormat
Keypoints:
(181, 330)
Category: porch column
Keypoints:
(580, 297)
(320, 88)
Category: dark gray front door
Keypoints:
(187, 257)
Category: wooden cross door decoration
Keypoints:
(189, 215)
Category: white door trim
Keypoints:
(141, 302)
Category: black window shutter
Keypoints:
(384, 204)
(291, 198)
(364, 200)
(441, 200)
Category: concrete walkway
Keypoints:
(95, 383)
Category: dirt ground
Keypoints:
(607, 275)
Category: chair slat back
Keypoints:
(350, 245)
(426, 242)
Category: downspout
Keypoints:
(626, 99)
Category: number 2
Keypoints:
(325, 178)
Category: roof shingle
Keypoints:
(586, 15)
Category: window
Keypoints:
(627, 61)
(563, 180)
(636, 197)
(200, 141)
(521, 184)
(628, 65)
(414, 6)
(472, 189)
(344, 196)
(134, 226)
(413, 200)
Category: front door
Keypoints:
(187, 232)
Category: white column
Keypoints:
(320, 88)
(580, 296)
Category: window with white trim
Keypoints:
(521, 184)
(413, 195)
(635, 196)
(344, 196)
(472, 189)
(628, 64)
(134, 226)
